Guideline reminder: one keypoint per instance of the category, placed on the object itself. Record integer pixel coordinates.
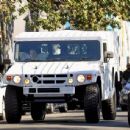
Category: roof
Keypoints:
(62, 35)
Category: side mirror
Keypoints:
(7, 61)
(109, 55)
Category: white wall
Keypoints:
(19, 26)
(124, 45)
(19, 23)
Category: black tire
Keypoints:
(129, 109)
(109, 108)
(12, 105)
(124, 107)
(92, 104)
(38, 111)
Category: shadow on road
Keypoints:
(64, 124)
(67, 123)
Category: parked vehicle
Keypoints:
(129, 109)
(73, 67)
(50, 108)
(53, 107)
(124, 96)
(124, 56)
(62, 107)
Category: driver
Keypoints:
(33, 54)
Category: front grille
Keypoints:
(50, 78)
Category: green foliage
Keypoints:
(85, 14)
(7, 7)
(50, 20)
(91, 14)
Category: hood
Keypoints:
(53, 67)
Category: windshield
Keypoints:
(84, 50)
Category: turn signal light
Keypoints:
(9, 77)
(26, 81)
(89, 77)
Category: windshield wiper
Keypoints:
(56, 59)
(29, 60)
(85, 58)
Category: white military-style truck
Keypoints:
(69, 66)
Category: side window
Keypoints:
(104, 51)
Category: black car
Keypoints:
(124, 96)
(129, 109)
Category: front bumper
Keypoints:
(48, 91)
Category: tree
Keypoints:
(38, 8)
(95, 14)
(7, 7)
(85, 14)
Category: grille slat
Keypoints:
(61, 75)
(60, 81)
(48, 81)
(50, 78)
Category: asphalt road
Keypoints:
(73, 120)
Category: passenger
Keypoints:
(33, 54)
(23, 56)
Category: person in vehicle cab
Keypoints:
(33, 54)
(126, 74)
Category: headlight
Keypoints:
(70, 80)
(81, 78)
(26, 81)
(17, 79)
